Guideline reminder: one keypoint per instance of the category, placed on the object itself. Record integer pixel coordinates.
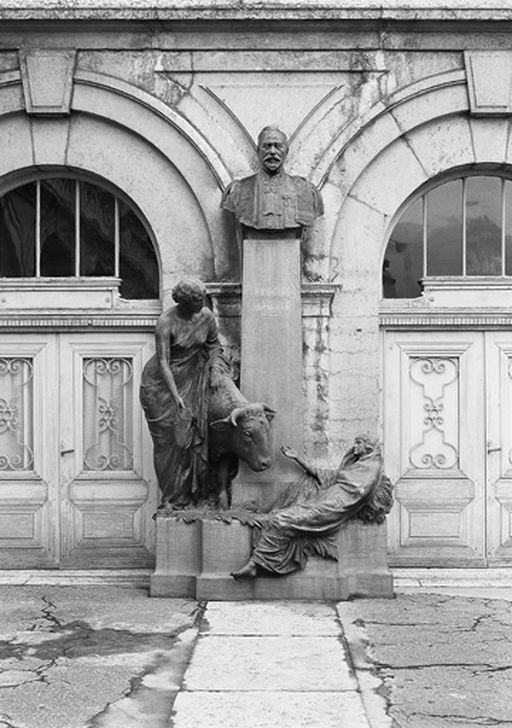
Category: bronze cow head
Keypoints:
(248, 429)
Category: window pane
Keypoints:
(139, 269)
(138, 266)
(444, 230)
(483, 226)
(403, 263)
(58, 227)
(96, 231)
(18, 232)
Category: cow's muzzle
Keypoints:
(263, 464)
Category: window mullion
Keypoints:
(77, 228)
(38, 229)
(424, 210)
(503, 224)
(464, 197)
(116, 238)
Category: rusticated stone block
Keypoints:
(196, 560)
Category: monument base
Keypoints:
(195, 560)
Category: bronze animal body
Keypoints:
(237, 429)
(199, 421)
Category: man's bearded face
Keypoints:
(272, 151)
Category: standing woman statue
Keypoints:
(174, 394)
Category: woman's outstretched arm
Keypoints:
(289, 452)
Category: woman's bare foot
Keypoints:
(246, 572)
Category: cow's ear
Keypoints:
(269, 413)
(220, 425)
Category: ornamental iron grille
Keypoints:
(108, 414)
(437, 380)
(16, 414)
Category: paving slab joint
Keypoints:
(370, 685)
(198, 625)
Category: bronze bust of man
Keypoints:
(272, 199)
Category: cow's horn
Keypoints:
(234, 415)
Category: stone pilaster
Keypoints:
(271, 354)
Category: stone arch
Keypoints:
(144, 148)
(422, 137)
(31, 174)
(424, 132)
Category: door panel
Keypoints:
(433, 411)
(108, 495)
(499, 447)
(29, 524)
(77, 487)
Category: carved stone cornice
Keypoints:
(300, 11)
(225, 298)
(460, 319)
(316, 298)
(78, 320)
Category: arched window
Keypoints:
(461, 228)
(66, 227)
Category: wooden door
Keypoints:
(434, 435)
(77, 488)
(29, 508)
(107, 488)
(499, 447)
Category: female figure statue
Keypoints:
(174, 393)
(323, 500)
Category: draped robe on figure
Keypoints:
(180, 441)
(314, 511)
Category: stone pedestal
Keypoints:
(179, 557)
(271, 355)
(195, 560)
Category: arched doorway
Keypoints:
(447, 390)
(77, 314)
(425, 135)
(76, 482)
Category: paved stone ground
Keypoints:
(110, 657)
(443, 661)
(270, 665)
(101, 657)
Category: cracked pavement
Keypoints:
(110, 657)
(442, 661)
(94, 657)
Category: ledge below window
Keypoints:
(87, 293)
(476, 302)
(71, 303)
(58, 293)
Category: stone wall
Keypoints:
(168, 111)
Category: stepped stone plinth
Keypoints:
(195, 559)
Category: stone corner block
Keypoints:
(489, 76)
(47, 80)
